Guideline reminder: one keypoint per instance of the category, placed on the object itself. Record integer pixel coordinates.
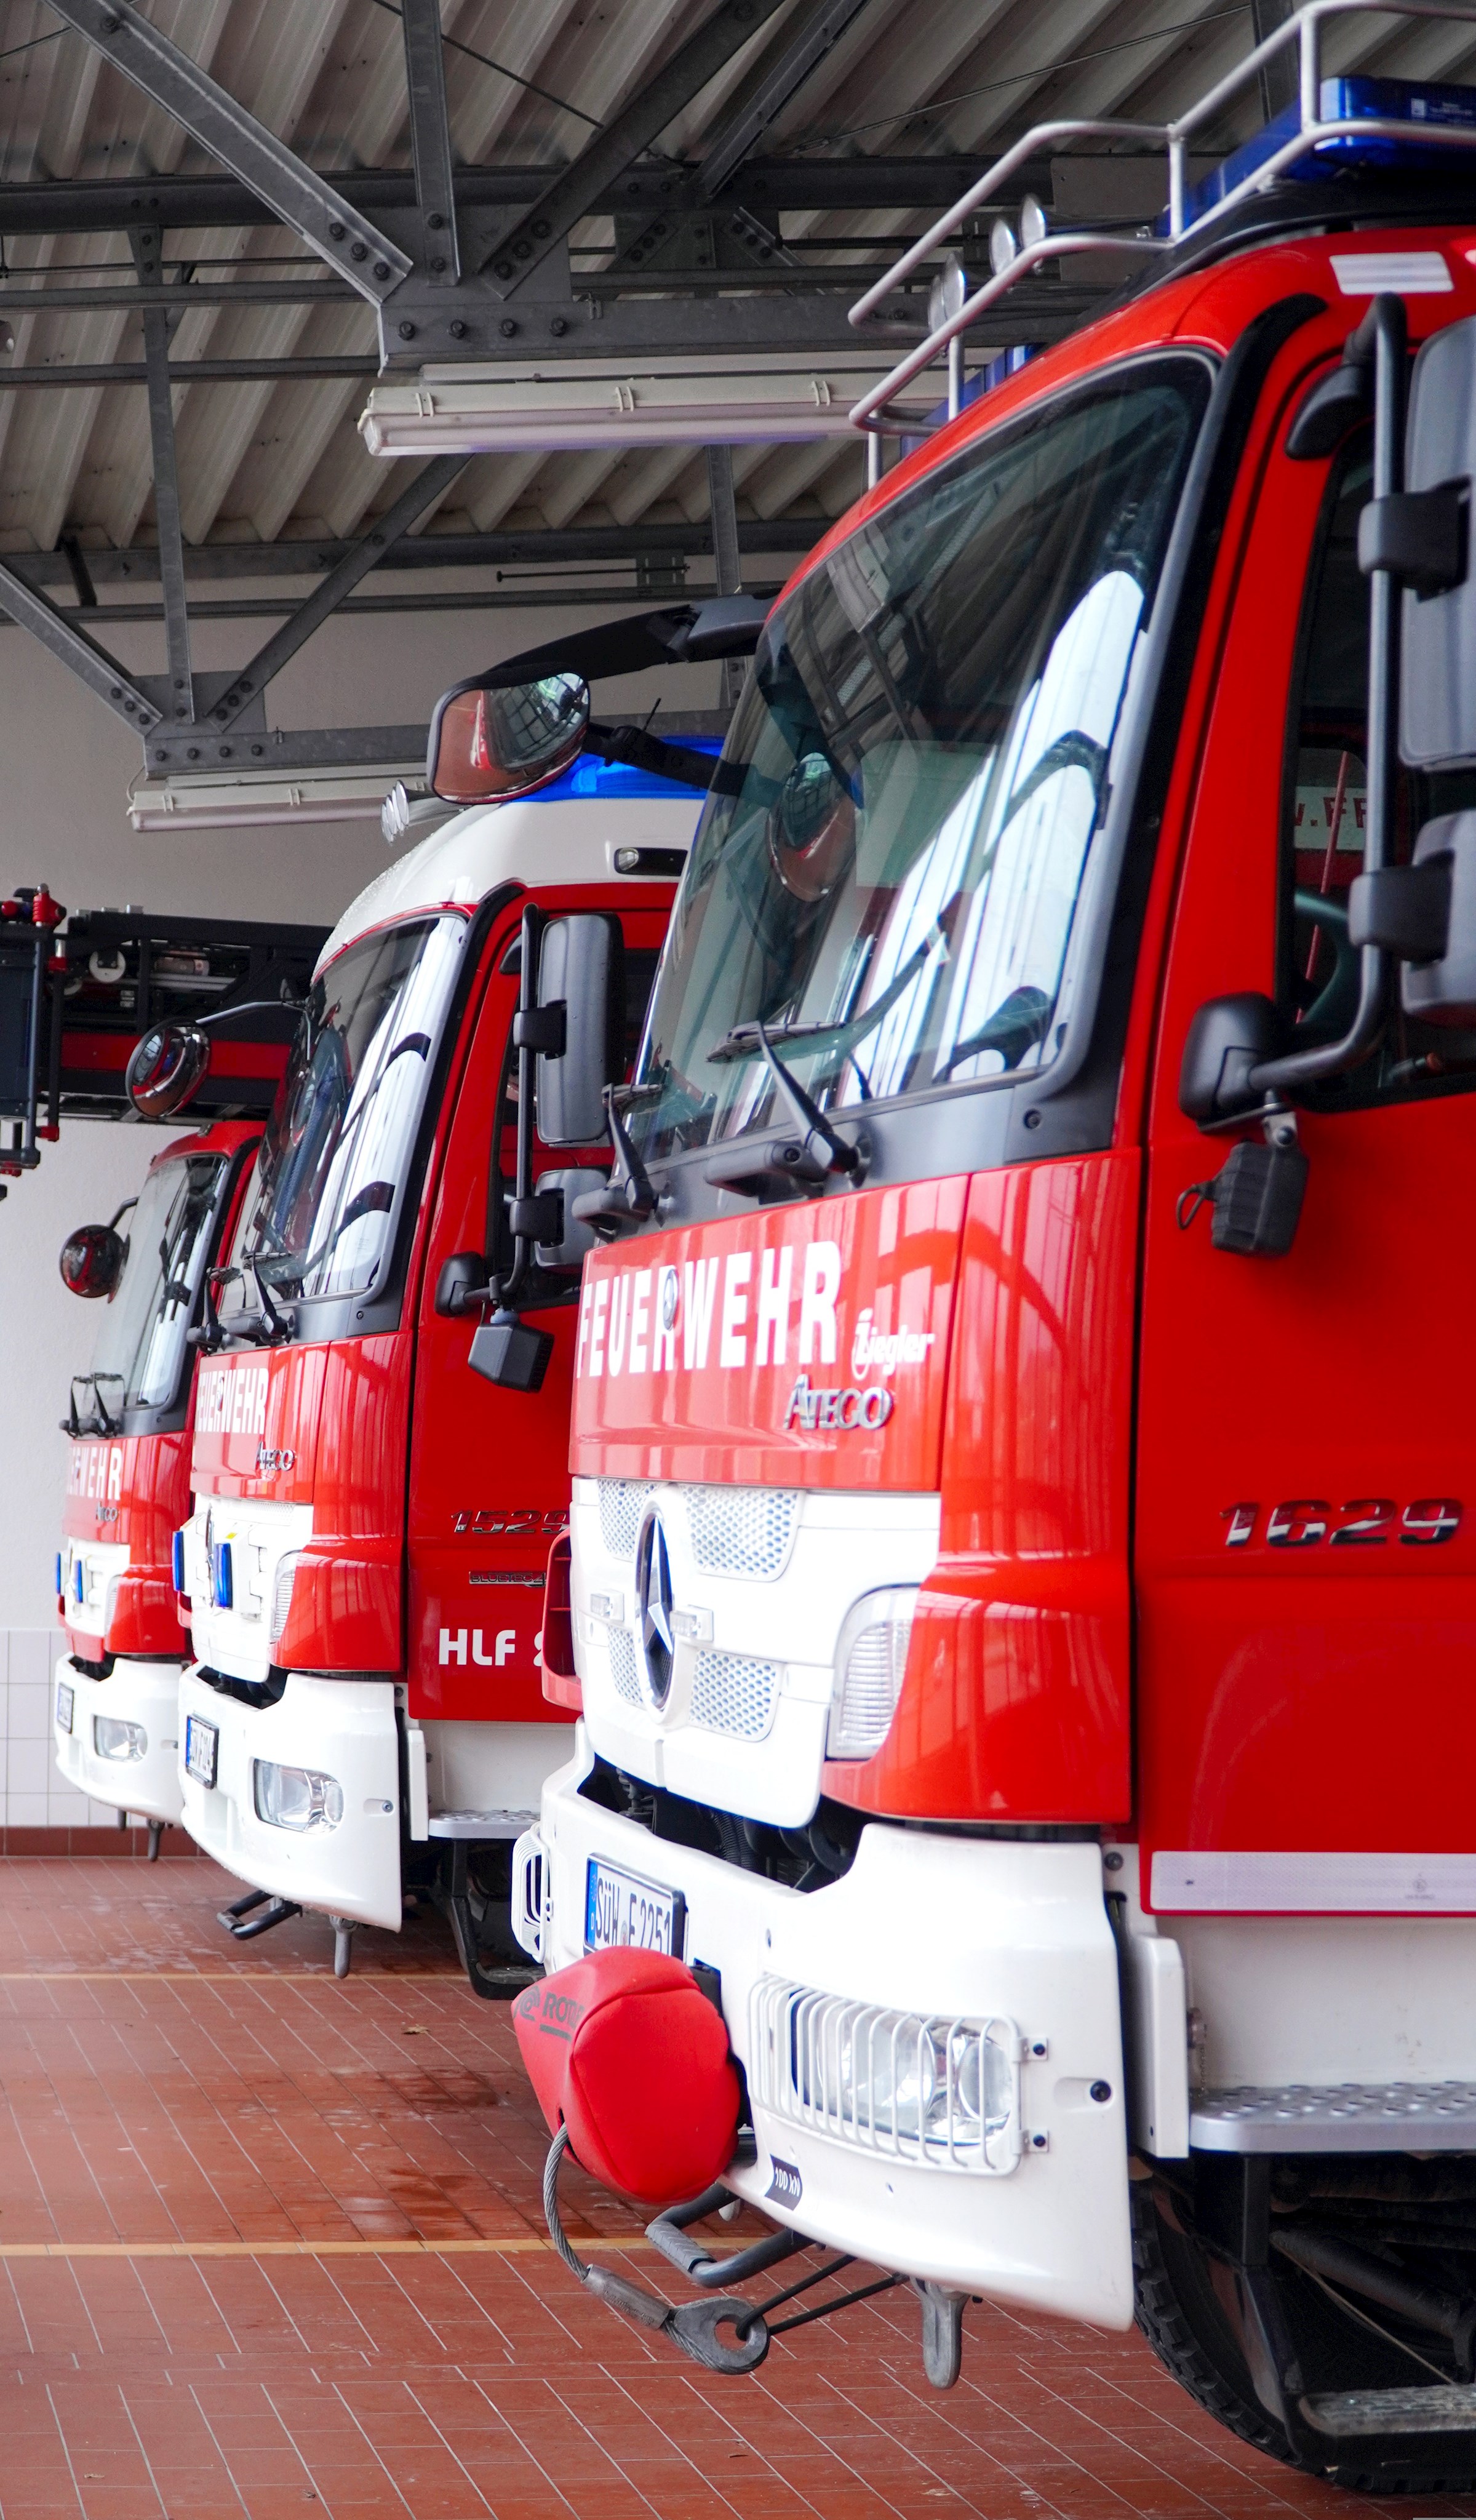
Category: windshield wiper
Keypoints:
(798, 1163)
(101, 1423)
(747, 1039)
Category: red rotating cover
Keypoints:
(625, 2050)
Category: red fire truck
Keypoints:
(1023, 1580)
(111, 974)
(363, 1568)
(116, 1705)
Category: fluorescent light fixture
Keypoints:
(215, 802)
(773, 398)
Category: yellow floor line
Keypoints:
(524, 2245)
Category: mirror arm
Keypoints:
(650, 753)
(504, 1291)
(1386, 324)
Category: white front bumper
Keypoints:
(347, 1730)
(947, 1927)
(145, 1693)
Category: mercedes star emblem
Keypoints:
(653, 1609)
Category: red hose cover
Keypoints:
(625, 2050)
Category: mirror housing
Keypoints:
(166, 1067)
(488, 743)
(1438, 663)
(574, 1238)
(91, 1261)
(1227, 1038)
(1438, 982)
(581, 972)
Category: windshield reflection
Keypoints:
(318, 1216)
(889, 868)
(139, 1346)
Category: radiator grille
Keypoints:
(622, 1646)
(730, 1694)
(622, 1502)
(742, 1531)
(930, 2090)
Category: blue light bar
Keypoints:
(608, 780)
(1341, 100)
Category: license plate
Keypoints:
(202, 1742)
(66, 1698)
(619, 1909)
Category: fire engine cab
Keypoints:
(1023, 1574)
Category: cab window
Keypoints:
(1323, 828)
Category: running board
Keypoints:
(1357, 2414)
(1335, 2117)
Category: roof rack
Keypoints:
(1313, 131)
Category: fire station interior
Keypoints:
(690, 1137)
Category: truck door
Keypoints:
(489, 1479)
(1305, 1533)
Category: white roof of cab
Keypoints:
(572, 839)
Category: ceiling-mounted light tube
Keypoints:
(221, 804)
(768, 400)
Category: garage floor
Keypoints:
(271, 2243)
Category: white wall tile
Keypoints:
(25, 1811)
(29, 1767)
(28, 1710)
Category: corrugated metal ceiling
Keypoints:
(263, 459)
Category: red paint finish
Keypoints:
(1335, 1383)
(1016, 1701)
(769, 1310)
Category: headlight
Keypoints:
(113, 1738)
(282, 1592)
(900, 2082)
(296, 1797)
(870, 1661)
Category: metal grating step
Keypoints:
(1357, 2414)
(1336, 2117)
(483, 1823)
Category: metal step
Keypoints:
(1356, 2413)
(483, 1823)
(1335, 2117)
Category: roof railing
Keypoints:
(1304, 31)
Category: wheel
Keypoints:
(1186, 2309)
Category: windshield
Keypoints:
(887, 871)
(320, 1213)
(141, 1338)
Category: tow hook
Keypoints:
(697, 2326)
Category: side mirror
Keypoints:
(1431, 520)
(166, 1067)
(487, 743)
(1425, 914)
(91, 1260)
(581, 974)
(1227, 1038)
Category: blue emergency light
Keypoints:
(1342, 99)
(179, 1561)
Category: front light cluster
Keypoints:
(115, 1738)
(902, 2083)
(870, 1661)
(297, 1798)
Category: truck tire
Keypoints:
(1182, 2317)
(1182, 2320)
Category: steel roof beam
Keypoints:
(341, 236)
(145, 244)
(615, 149)
(430, 141)
(806, 50)
(356, 563)
(103, 675)
(536, 548)
(108, 204)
